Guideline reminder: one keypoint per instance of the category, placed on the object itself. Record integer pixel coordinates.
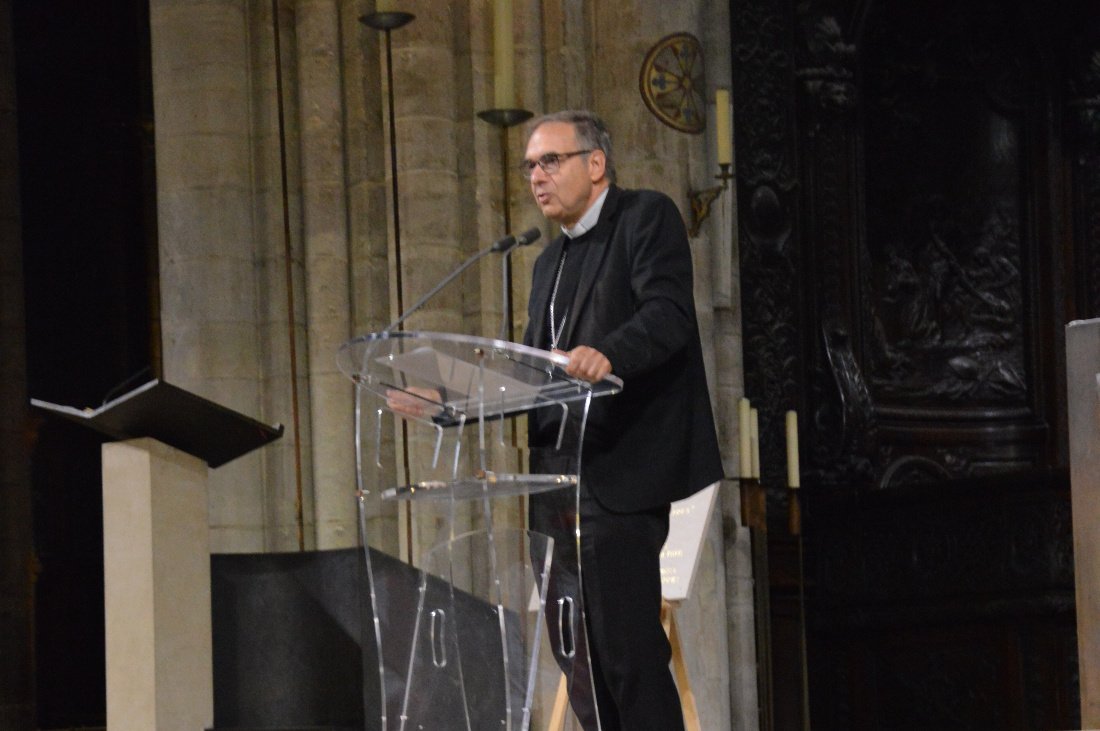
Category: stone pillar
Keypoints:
(200, 61)
(156, 570)
(325, 218)
(431, 90)
(16, 557)
(727, 387)
(288, 463)
(428, 84)
(368, 229)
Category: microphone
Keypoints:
(529, 236)
(505, 245)
(500, 246)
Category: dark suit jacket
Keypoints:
(654, 442)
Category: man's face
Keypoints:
(565, 195)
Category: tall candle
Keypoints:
(722, 127)
(504, 51)
(744, 429)
(383, 6)
(793, 479)
(755, 443)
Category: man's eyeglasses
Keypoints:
(550, 162)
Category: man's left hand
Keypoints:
(587, 363)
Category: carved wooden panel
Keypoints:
(951, 139)
(1082, 128)
(767, 198)
(930, 601)
(921, 160)
(919, 201)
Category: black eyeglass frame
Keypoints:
(550, 162)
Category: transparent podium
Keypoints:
(498, 626)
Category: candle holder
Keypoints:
(754, 516)
(754, 504)
(503, 119)
(386, 20)
(702, 199)
(794, 512)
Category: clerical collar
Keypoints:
(589, 219)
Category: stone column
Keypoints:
(727, 387)
(368, 232)
(325, 218)
(287, 463)
(431, 90)
(16, 555)
(200, 63)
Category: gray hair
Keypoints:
(591, 132)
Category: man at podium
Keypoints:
(614, 293)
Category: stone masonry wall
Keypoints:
(257, 159)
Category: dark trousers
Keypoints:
(630, 686)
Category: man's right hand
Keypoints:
(586, 363)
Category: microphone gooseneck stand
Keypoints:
(503, 246)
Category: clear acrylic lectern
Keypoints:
(485, 650)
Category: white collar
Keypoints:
(589, 219)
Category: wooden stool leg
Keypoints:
(561, 703)
(679, 667)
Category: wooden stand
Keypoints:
(679, 671)
(156, 562)
(156, 553)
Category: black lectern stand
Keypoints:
(181, 419)
(156, 552)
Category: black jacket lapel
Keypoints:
(541, 283)
(595, 251)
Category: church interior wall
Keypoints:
(277, 244)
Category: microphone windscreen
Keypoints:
(529, 236)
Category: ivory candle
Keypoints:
(793, 479)
(745, 435)
(504, 51)
(383, 6)
(722, 127)
(755, 431)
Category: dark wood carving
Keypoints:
(1083, 132)
(766, 177)
(919, 215)
(922, 583)
(945, 132)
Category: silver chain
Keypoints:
(556, 330)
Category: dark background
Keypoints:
(89, 248)
(918, 198)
